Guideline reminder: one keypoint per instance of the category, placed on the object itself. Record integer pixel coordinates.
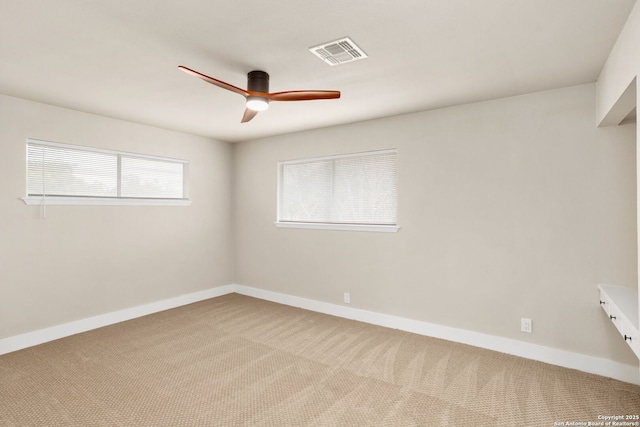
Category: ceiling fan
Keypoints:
(257, 92)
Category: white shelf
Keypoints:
(626, 299)
(621, 306)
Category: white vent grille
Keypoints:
(338, 51)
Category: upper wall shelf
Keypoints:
(631, 117)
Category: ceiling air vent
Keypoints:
(338, 51)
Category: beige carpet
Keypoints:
(239, 361)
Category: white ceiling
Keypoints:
(119, 58)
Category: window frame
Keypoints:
(106, 200)
(382, 228)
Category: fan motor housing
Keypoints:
(258, 81)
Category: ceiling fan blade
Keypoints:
(213, 81)
(248, 115)
(304, 95)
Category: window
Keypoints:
(71, 174)
(347, 192)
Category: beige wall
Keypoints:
(83, 261)
(510, 208)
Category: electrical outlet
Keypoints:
(525, 325)
(347, 297)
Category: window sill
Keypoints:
(103, 201)
(339, 227)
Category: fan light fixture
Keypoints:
(257, 93)
(257, 103)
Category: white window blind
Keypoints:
(61, 170)
(351, 189)
(151, 178)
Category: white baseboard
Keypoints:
(582, 362)
(40, 336)
(554, 356)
